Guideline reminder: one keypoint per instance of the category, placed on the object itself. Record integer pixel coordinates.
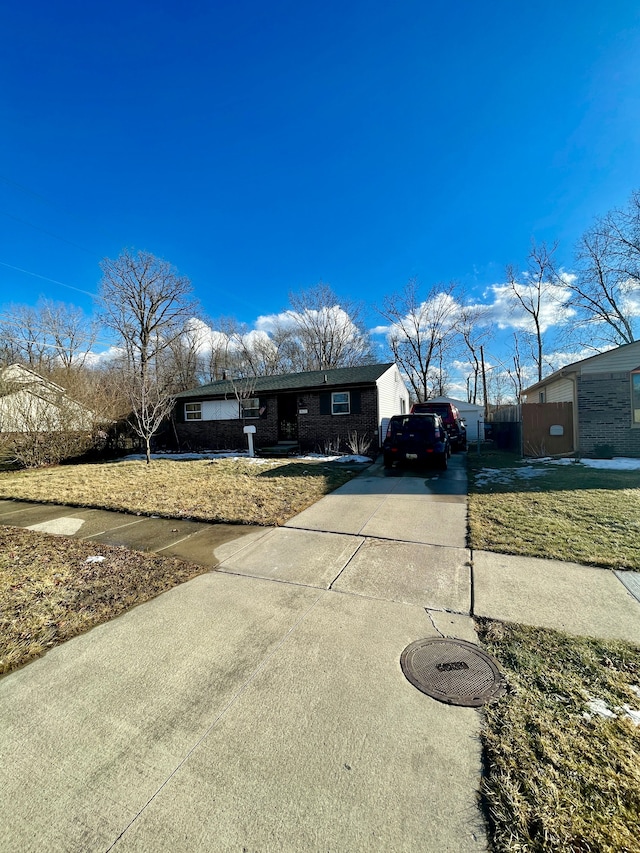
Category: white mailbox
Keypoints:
(249, 431)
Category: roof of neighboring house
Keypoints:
(21, 375)
(577, 366)
(17, 379)
(367, 374)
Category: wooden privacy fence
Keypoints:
(547, 429)
(504, 427)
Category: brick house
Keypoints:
(311, 410)
(600, 397)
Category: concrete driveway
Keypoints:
(261, 707)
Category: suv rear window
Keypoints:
(409, 424)
(446, 411)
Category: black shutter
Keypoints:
(355, 402)
(262, 407)
(325, 403)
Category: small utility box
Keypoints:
(249, 432)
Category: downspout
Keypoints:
(378, 421)
(574, 420)
(576, 430)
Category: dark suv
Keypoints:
(416, 438)
(450, 415)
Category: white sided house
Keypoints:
(31, 404)
(309, 411)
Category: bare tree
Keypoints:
(151, 405)
(69, 333)
(244, 389)
(606, 288)
(23, 337)
(47, 336)
(421, 334)
(329, 332)
(535, 295)
(473, 327)
(516, 371)
(148, 305)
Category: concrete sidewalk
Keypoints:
(262, 707)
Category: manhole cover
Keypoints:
(452, 671)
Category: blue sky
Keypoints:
(263, 147)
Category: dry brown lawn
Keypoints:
(233, 491)
(50, 593)
(48, 590)
(558, 775)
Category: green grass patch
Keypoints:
(225, 490)
(50, 593)
(558, 776)
(566, 512)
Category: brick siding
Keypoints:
(315, 431)
(604, 414)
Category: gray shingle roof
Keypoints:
(339, 376)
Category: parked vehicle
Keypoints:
(450, 415)
(416, 438)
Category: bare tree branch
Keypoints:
(421, 334)
(148, 305)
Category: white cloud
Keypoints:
(554, 310)
(631, 297)
(270, 322)
(258, 339)
(437, 312)
(96, 359)
(206, 339)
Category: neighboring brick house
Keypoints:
(602, 394)
(310, 410)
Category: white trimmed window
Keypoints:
(635, 398)
(340, 403)
(193, 411)
(251, 407)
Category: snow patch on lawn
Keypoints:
(618, 463)
(244, 456)
(599, 708)
(504, 476)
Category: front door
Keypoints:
(287, 417)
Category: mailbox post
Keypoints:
(249, 432)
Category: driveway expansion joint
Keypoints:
(330, 587)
